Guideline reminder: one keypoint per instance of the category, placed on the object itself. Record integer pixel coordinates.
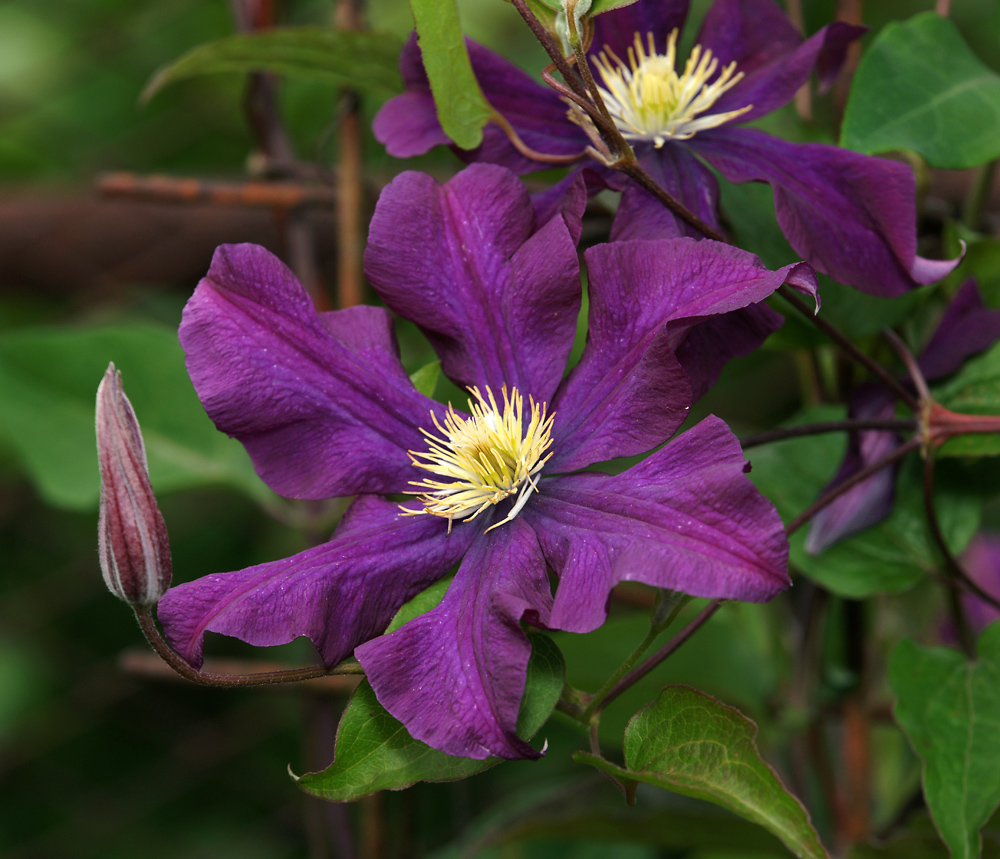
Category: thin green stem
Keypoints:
(956, 575)
(820, 427)
(849, 348)
(979, 195)
(633, 658)
(852, 481)
(668, 649)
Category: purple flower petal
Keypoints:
(711, 344)
(455, 675)
(629, 392)
(617, 29)
(870, 501)
(322, 404)
(641, 216)
(851, 216)
(687, 518)
(338, 594)
(981, 560)
(566, 199)
(766, 47)
(497, 299)
(967, 327)
(408, 125)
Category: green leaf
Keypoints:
(919, 87)
(420, 604)
(375, 752)
(600, 6)
(426, 378)
(48, 387)
(363, 61)
(950, 710)
(462, 108)
(690, 743)
(975, 390)
(889, 557)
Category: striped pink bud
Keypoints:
(132, 536)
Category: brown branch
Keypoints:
(170, 189)
(350, 178)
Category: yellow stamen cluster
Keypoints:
(648, 99)
(484, 458)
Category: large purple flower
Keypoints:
(852, 216)
(323, 405)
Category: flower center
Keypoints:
(648, 100)
(483, 459)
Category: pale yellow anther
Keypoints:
(648, 100)
(483, 459)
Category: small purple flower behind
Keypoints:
(851, 216)
(981, 560)
(966, 328)
(323, 405)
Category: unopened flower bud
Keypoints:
(132, 536)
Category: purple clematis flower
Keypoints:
(981, 560)
(851, 216)
(325, 408)
(966, 328)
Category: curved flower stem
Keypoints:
(852, 481)
(820, 427)
(850, 349)
(527, 151)
(668, 649)
(912, 367)
(955, 572)
(957, 575)
(265, 678)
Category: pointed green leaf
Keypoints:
(690, 743)
(950, 710)
(919, 87)
(375, 752)
(462, 108)
(363, 61)
(975, 390)
(600, 6)
(48, 385)
(426, 378)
